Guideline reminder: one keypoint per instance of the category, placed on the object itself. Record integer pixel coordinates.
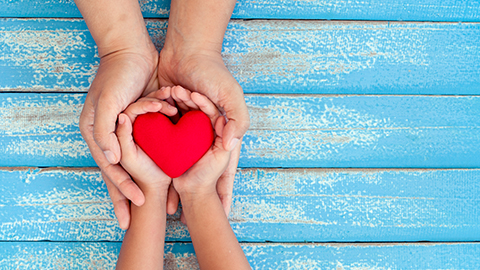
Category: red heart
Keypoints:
(174, 148)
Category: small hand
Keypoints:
(201, 179)
(186, 101)
(143, 170)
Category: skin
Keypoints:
(215, 244)
(130, 67)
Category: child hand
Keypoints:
(201, 178)
(147, 175)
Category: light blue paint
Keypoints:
(44, 255)
(301, 57)
(286, 131)
(404, 10)
(268, 205)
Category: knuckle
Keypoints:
(125, 184)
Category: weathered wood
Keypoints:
(270, 56)
(72, 255)
(280, 205)
(403, 10)
(286, 131)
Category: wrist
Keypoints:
(198, 25)
(116, 25)
(190, 198)
(154, 190)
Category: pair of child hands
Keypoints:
(213, 239)
(200, 180)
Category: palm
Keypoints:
(209, 167)
(123, 78)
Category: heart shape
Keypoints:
(174, 148)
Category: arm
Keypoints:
(116, 25)
(143, 243)
(128, 62)
(197, 25)
(142, 246)
(216, 245)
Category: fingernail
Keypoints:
(122, 225)
(233, 143)
(121, 119)
(110, 156)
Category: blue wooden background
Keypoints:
(363, 152)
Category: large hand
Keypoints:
(122, 77)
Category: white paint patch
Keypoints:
(39, 119)
(50, 54)
(178, 261)
(260, 211)
(153, 7)
(310, 128)
(318, 50)
(51, 147)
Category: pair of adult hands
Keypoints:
(123, 77)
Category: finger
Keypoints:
(172, 200)
(183, 108)
(219, 126)
(118, 176)
(206, 106)
(167, 96)
(125, 138)
(181, 94)
(121, 205)
(105, 117)
(148, 104)
(226, 180)
(238, 118)
(163, 93)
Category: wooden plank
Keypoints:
(74, 255)
(279, 205)
(286, 131)
(270, 56)
(403, 10)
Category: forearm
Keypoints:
(143, 243)
(115, 25)
(198, 24)
(215, 244)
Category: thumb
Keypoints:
(104, 124)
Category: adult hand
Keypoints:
(122, 78)
(191, 57)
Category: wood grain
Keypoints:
(402, 10)
(286, 131)
(279, 205)
(74, 255)
(294, 56)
